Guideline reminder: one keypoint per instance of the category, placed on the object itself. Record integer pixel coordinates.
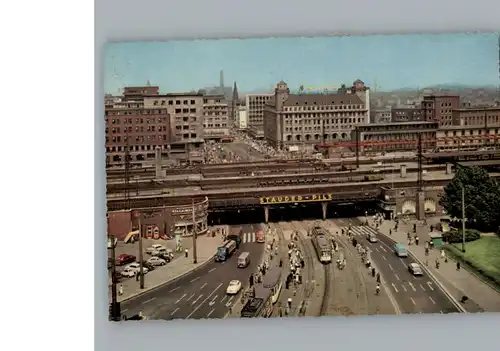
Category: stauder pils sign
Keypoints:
(295, 198)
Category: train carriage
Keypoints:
(272, 281)
(322, 245)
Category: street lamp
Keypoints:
(463, 219)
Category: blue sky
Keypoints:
(392, 62)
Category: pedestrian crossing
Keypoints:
(360, 230)
(248, 237)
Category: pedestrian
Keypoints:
(437, 263)
(377, 289)
(390, 231)
(416, 240)
(302, 263)
(442, 254)
(251, 280)
(289, 302)
(186, 252)
(120, 290)
(281, 263)
(373, 272)
(378, 278)
(458, 265)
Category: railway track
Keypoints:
(310, 262)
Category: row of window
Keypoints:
(136, 139)
(137, 120)
(135, 112)
(172, 102)
(160, 128)
(470, 132)
(324, 115)
(327, 128)
(332, 107)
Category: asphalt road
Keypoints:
(412, 294)
(200, 294)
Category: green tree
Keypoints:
(482, 197)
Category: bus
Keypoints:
(258, 306)
(260, 236)
(272, 281)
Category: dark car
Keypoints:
(166, 257)
(125, 259)
(148, 265)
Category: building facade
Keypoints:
(439, 108)
(306, 119)
(382, 115)
(477, 117)
(395, 136)
(242, 120)
(216, 118)
(161, 221)
(466, 138)
(406, 114)
(255, 104)
(128, 124)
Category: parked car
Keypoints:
(415, 269)
(147, 265)
(136, 267)
(156, 261)
(154, 247)
(128, 272)
(124, 259)
(167, 257)
(234, 287)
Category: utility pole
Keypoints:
(357, 147)
(194, 234)
(141, 272)
(115, 306)
(127, 171)
(463, 218)
(420, 185)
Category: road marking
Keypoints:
(125, 310)
(403, 262)
(409, 283)
(173, 312)
(190, 297)
(206, 299)
(404, 287)
(195, 279)
(209, 313)
(392, 269)
(228, 303)
(385, 259)
(151, 299)
(395, 275)
(422, 287)
(211, 303)
(411, 298)
(432, 300)
(197, 299)
(183, 296)
(225, 297)
(213, 269)
(174, 289)
(430, 286)
(204, 284)
(394, 286)
(381, 247)
(377, 250)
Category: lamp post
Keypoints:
(463, 219)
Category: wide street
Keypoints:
(412, 294)
(202, 293)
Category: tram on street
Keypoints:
(260, 305)
(272, 281)
(322, 245)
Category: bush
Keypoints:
(455, 236)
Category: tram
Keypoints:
(260, 305)
(322, 245)
(272, 281)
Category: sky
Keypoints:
(387, 62)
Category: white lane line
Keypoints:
(382, 248)
(213, 269)
(409, 283)
(183, 296)
(377, 250)
(404, 287)
(432, 300)
(228, 303)
(209, 313)
(147, 301)
(392, 269)
(190, 297)
(403, 262)
(195, 279)
(204, 284)
(206, 299)
(197, 299)
(430, 286)
(395, 275)
(422, 287)
(125, 310)
(174, 289)
(411, 298)
(394, 286)
(173, 312)
(211, 303)
(222, 300)
(385, 259)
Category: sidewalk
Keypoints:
(179, 266)
(458, 283)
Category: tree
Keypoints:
(482, 197)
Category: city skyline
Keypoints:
(389, 62)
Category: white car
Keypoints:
(234, 287)
(154, 247)
(128, 272)
(156, 261)
(415, 269)
(372, 238)
(136, 267)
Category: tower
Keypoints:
(234, 104)
(221, 83)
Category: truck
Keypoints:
(225, 251)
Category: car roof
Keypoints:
(234, 281)
(414, 264)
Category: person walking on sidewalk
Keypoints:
(458, 265)
(186, 253)
(377, 289)
(442, 254)
(120, 290)
(378, 278)
(416, 240)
